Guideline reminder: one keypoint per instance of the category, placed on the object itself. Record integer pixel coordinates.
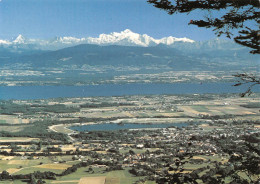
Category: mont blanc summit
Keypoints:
(129, 38)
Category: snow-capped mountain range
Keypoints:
(123, 38)
(129, 38)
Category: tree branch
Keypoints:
(239, 12)
(245, 78)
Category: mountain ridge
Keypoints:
(123, 38)
(115, 55)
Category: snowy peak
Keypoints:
(126, 37)
(170, 40)
(19, 40)
(127, 31)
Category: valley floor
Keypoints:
(36, 142)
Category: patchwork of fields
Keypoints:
(28, 143)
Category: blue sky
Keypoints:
(83, 18)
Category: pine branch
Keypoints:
(238, 12)
(245, 78)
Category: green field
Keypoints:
(118, 177)
(2, 121)
(201, 108)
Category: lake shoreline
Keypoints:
(66, 128)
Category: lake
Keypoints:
(45, 92)
(116, 126)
